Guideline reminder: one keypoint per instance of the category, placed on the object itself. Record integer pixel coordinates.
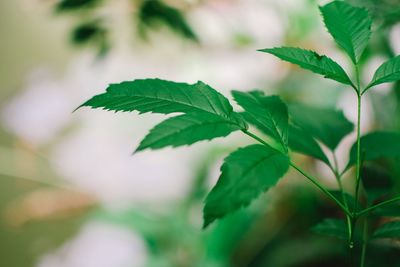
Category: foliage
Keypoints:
(146, 15)
(204, 114)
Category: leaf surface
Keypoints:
(303, 143)
(392, 210)
(187, 129)
(386, 73)
(388, 230)
(331, 227)
(376, 145)
(312, 61)
(350, 27)
(268, 113)
(245, 174)
(377, 181)
(161, 96)
(327, 125)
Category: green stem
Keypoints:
(384, 203)
(321, 187)
(339, 181)
(365, 243)
(358, 161)
(309, 177)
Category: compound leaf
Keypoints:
(332, 227)
(327, 125)
(350, 27)
(187, 129)
(388, 230)
(268, 113)
(304, 143)
(376, 145)
(312, 61)
(245, 174)
(387, 72)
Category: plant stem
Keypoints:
(309, 177)
(365, 242)
(321, 187)
(335, 170)
(358, 159)
(384, 203)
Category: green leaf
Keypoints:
(160, 96)
(348, 198)
(388, 230)
(245, 174)
(312, 61)
(386, 73)
(377, 181)
(304, 143)
(392, 210)
(376, 145)
(187, 129)
(350, 27)
(67, 5)
(331, 227)
(89, 31)
(268, 113)
(327, 125)
(153, 11)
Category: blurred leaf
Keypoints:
(161, 96)
(388, 230)
(386, 12)
(312, 61)
(348, 198)
(187, 129)
(332, 227)
(245, 174)
(376, 145)
(153, 11)
(86, 32)
(327, 125)
(376, 180)
(350, 27)
(392, 210)
(268, 113)
(67, 5)
(304, 143)
(387, 72)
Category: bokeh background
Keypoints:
(71, 193)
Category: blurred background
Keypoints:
(71, 193)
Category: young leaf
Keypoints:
(388, 230)
(244, 175)
(268, 113)
(160, 96)
(376, 145)
(310, 60)
(187, 129)
(327, 125)
(386, 73)
(332, 227)
(350, 27)
(304, 143)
